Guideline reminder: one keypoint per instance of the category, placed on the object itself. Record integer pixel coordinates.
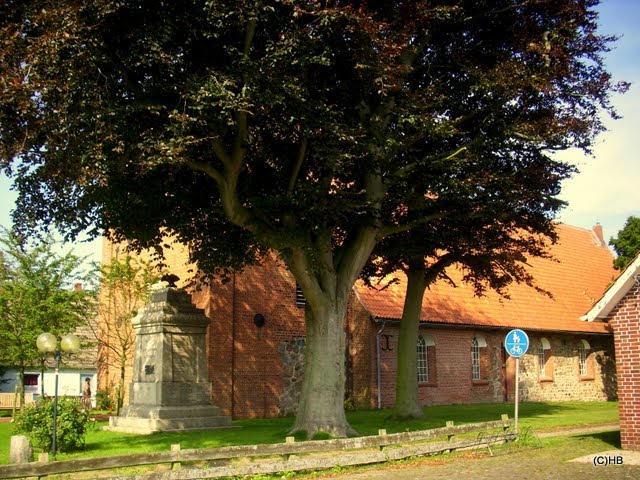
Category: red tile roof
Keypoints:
(581, 272)
(615, 293)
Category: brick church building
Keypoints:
(256, 336)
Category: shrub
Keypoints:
(104, 401)
(36, 421)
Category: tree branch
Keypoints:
(220, 152)
(302, 151)
(357, 250)
(249, 34)
(395, 229)
(238, 149)
(208, 169)
(407, 169)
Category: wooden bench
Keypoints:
(7, 399)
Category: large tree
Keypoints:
(37, 294)
(492, 225)
(627, 243)
(488, 246)
(239, 126)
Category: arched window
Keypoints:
(477, 343)
(583, 355)
(423, 365)
(544, 359)
(426, 358)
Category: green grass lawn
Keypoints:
(540, 416)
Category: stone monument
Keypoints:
(20, 450)
(171, 388)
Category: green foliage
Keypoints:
(37, 295)
(36, 421)
(125, 285)
(301, 435)
(104, 401)
(296, 126)
(288, 121)
(349, 404)
(627, 243)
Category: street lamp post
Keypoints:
(48, 343)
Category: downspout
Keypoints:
(378, 366)
(233, 344)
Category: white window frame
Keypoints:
(476, 373)
(423, 362)
(542, 360)
(301, 302)
(583, 355)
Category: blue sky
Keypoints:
(607, 189)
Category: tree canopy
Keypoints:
(627, 243)
(37, 295)
(299, 126)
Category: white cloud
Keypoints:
(607, 189)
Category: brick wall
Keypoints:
(246, 363)
(245, 367)
(625, 319)
(361, 368)
(453, 381)
(237, 345)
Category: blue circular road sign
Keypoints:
(516, 343)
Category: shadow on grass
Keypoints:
(540, 415)
(609, 438)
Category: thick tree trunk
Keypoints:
(327, 284)
(321, 407)
(20, 389)
(407, 403)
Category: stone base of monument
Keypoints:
(146, 420)
(171, 389)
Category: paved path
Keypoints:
(526, 464)
(609, 427)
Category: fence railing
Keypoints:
(7, 400)
(281, 457)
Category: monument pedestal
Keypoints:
(171, 388)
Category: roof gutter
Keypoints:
(463, 326)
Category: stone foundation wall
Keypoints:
(562, 380)
(292, 353)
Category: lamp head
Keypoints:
(70, 343)
(47, 342)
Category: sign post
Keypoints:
(516, 343)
